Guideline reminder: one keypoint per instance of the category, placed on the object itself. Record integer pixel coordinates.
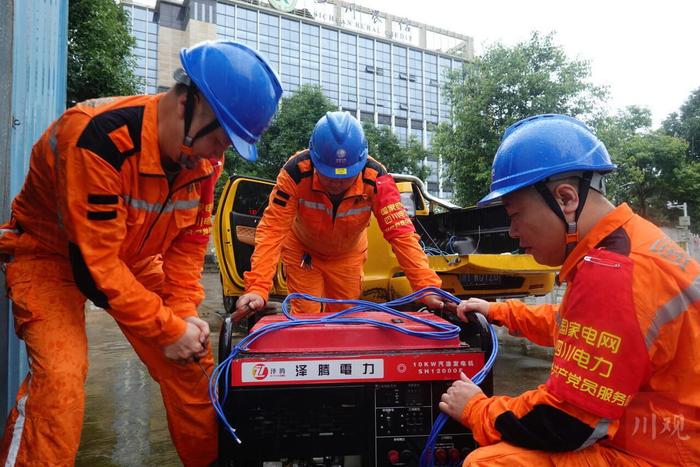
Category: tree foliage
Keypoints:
(100, 57)
(385, 147)
(653, 168)
(686, 125)
(504, 85)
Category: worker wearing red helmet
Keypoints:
(116, 208)
(624, 387)
(317, 220)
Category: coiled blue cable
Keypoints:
(444, 331)
(426, 457)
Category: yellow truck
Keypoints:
(469, 248)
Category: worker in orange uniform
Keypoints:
(117, 208)
(624, 387)
(317, 220)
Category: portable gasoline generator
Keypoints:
(347, 395)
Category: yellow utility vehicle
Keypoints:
(469, 248)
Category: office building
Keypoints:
(382, 68)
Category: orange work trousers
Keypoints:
(338, 277)
(45, 425)
(506, 455)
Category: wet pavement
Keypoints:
(125, 421)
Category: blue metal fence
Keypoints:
(38, 94)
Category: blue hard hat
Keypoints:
(338, 145)
(540, 147)
(239, 85)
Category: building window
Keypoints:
(329, 64)
(416, 134)
(400, 81)
(290, 55)
(348, 71)
(382, 75)
(247, 27)
(431, 91)
(144, 28)
(444, 67)
(365, 51)
(415, 66)
(310, 52)
(269, 39)
(225, 21)
(402, 135)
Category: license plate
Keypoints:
(477, 280)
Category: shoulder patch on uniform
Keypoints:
(102, 199)
(618, 241)
(376, 166)
(369, 181)
(114, 135)
(293, 169)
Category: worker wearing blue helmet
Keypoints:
(243, 102)
(117, 208)
(625, 364)
(317, 220)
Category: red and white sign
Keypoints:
(399, 367)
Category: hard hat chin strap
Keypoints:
(571, 228)
(188, 141)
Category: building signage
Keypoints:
(284, 5)
(351, 18)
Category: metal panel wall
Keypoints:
(34, 34)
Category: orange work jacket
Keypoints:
(299, 206)
(626, 367)
(97, 197)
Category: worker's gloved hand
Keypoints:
(246, 305)
(458, 396)
(204, 333)
(470, 305)
(434, 302)
(187, 347)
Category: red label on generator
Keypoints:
(260, 370)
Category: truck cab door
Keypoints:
(242, 203)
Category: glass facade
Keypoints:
(386, 83)
(400, 82)
(329, 64)
(382, 76)
(366, 69)
(348, 71)
(247, 27)
(226, 21)
(311, 54)
(290, 72)
(269, 38)
(144, 28)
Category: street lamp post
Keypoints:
(683, 222)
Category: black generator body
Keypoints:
(346, 396)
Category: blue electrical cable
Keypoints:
(444, 331)
(426, 457)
